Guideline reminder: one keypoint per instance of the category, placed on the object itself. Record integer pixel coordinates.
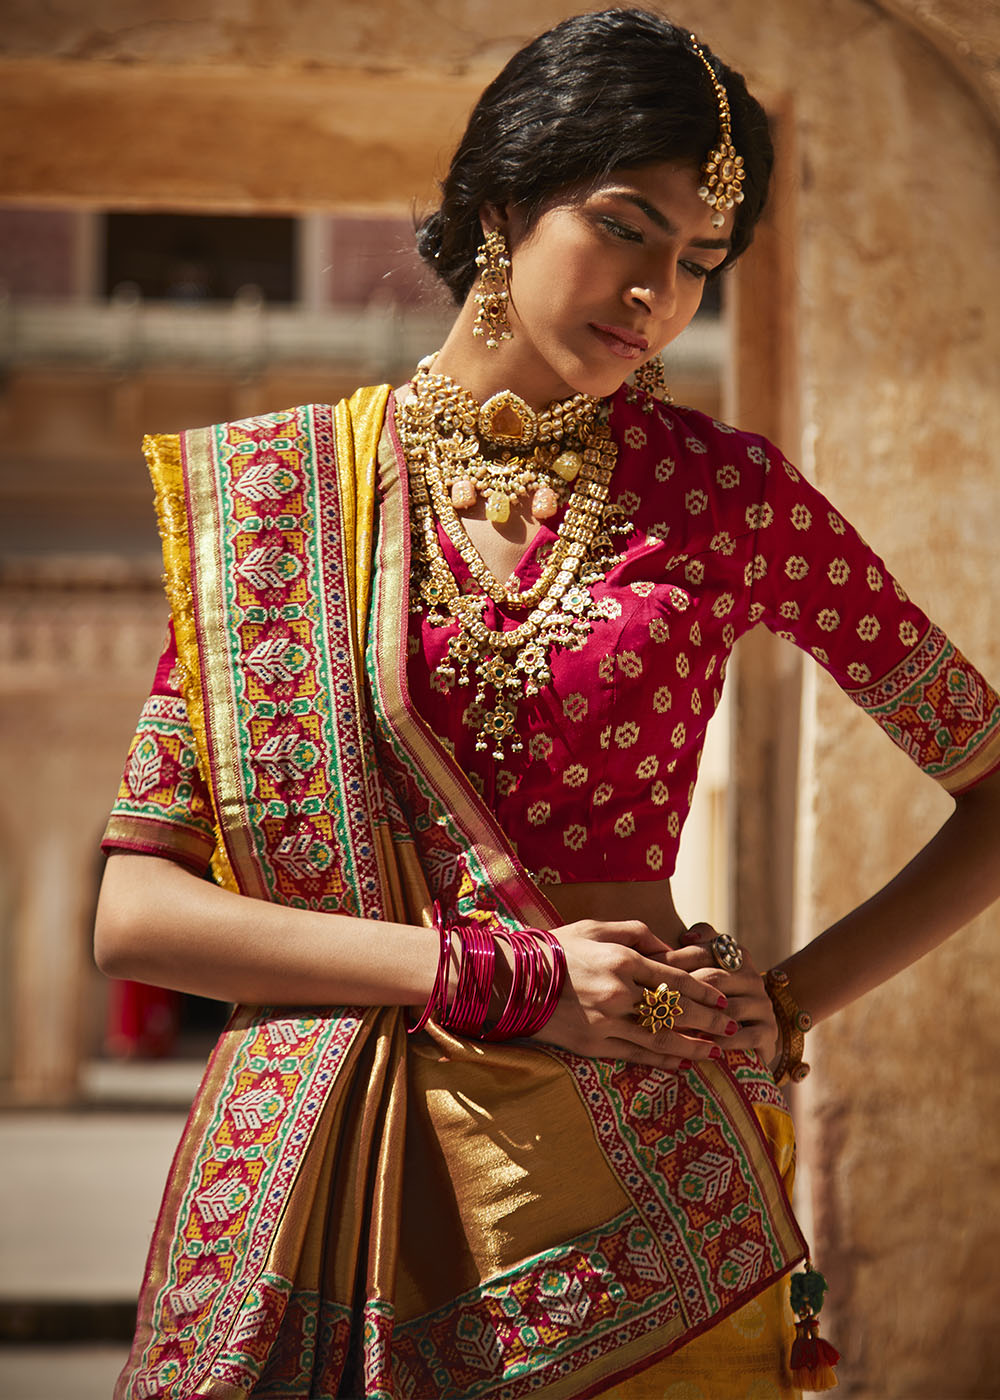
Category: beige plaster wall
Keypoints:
(894, 261)
(899, 338)
(901, 413)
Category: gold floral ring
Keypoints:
(658, 1009)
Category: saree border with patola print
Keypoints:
(273, 588)
(261, 643)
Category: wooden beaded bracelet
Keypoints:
(793, 1023)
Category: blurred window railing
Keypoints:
(245, 335)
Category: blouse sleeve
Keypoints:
(818, 584)
(163, 806)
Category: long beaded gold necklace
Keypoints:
(438, 426)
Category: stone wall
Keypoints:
(888, 253)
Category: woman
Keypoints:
(439, 668)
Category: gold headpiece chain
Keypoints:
(723, 172)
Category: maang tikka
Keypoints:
(722, 174)
(493, 261)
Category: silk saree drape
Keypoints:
(352, 1211)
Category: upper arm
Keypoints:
(133, 890)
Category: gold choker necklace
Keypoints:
(505, 665)
(503, 450)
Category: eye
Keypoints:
(622, 231)
(696, 270)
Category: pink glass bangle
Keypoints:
(557, 979)
(536, 992)
(437, 1001)
(528, 1006)
(536, 980)
(475, 980)
(524, 977)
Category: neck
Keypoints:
(484, 372)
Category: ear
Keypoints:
(493, 216)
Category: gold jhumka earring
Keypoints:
(651, 379)
(493, 261)
(723, 173)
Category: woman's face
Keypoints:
(604, 279)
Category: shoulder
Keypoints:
(669, 443)
(302, 419)
(637, 418)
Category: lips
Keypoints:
(621, 341)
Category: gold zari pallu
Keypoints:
(352, 1211)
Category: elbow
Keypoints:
(114, 950)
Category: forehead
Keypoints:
(657, 181)
(666, 179)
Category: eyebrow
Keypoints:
(657, 217)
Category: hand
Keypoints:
(748, 1002)
(607, 967)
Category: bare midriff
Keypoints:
(649, 901)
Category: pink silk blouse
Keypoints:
(725, 534)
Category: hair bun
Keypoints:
(430, 235)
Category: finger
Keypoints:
(681, 1052)
(703, 1021)
(694, 989)
(694, 958)
(638, 1055)
(748, 1009)
(714, 1020)
(631, 933)
(687, 1037)
(697, 952)
(730, 984)
(698, 933)
(756, 1036)
(684, 1047)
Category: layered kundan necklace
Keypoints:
(458, 450)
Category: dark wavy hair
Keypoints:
(597, 93)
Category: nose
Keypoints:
(658, 293)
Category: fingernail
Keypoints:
(722, 1003)
(686, 1064)
(715, 1053)
(732, 1027)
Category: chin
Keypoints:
(603, 386)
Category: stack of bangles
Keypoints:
(792, 1026)
(536, 981)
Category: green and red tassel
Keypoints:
(812, 1359)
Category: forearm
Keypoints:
(159, 923)
(951, 880)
